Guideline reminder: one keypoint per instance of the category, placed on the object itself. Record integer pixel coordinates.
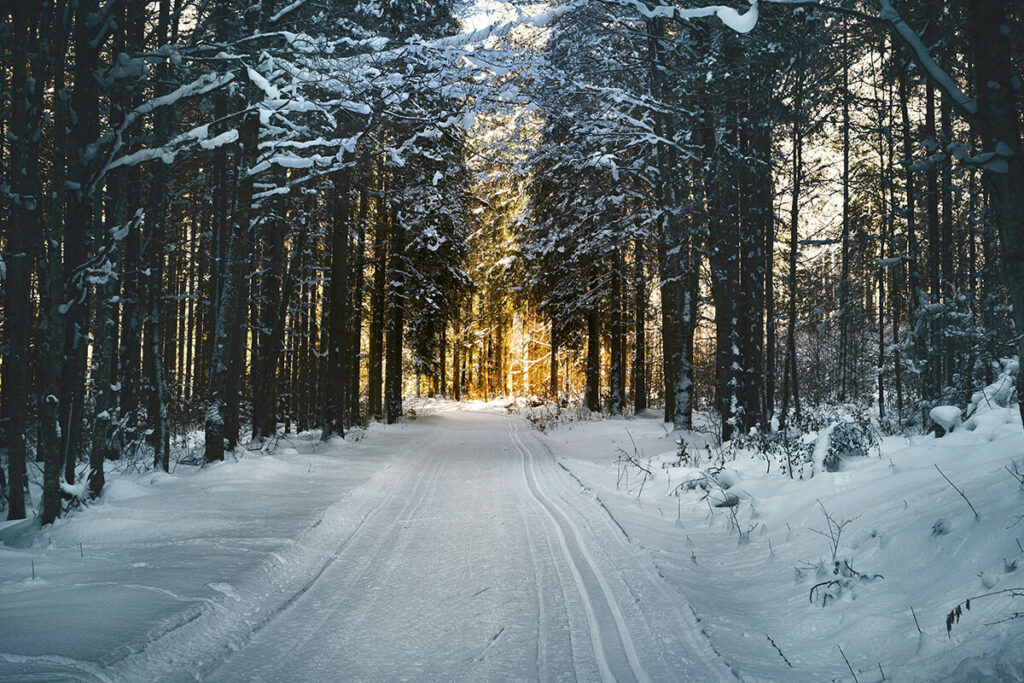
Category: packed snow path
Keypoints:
(451, 547)
(484, 561)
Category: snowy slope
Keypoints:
(907, 524)
(162, 561)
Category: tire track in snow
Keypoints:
(617, 658)
(697, 637)
(541, 654)
(202, 641)
(421, 487)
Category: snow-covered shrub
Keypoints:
(787, 448)
(1000, 394)
(547, 414)
(845, 580)
(944, 419)
(683, 456)
(855, 438)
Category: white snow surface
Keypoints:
(449, 547)
(908, 525)
(465, 545)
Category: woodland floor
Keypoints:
(464, 545)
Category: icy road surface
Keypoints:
(461, 551)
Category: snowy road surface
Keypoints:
(484, 561)
(467, 554)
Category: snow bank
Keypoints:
(856, 557)
(166, 570)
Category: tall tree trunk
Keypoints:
(233, 290)
(791, 382)
(79, 218)
(457, 361)
(269, 330)
(933, 372)
(152, 259)
(911, 195)
(771, 335)
(395, 322)
(617, 370)
(17, 287)
(339, 307)
(50, 278)
(378, 306)
(998, 125)
(640, 397)
(356, 327)
(443, 359)
(553, 375)
(593, 388)
(673, 247)
(948, 279)
(844, 275)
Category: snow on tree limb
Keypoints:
(741, 23)
(888, 14)
(286, 9)
(744, 23)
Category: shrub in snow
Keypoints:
(788, 448)
(822, 439)
(853, 439)
(1000, 394)
(945, 419)
(683, 456)
(723, 499)
(845, 581)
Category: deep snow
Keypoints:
(465, 545)
(907, 524)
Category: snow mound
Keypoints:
(946, 417)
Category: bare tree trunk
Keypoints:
(152, 258)
(933, 371)
(593, 388)
(554, 362)
(791, 383)
(617, 371)
(79, 220)
(844, 276)
(911, 194)
(268, 331)
(443, 353)
(51, 331)
(231, 298)
(395, 322)
(457, 360)
(640, 397)
(999, 127)
(378, 306)
(356, 327)
(673, 257)
(19, 243)
(339, 306)
(948, 279)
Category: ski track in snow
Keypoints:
(472, 556)
(610, 653)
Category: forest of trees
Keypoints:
(235, 217)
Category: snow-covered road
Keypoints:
(484, 561)
(455, 548)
